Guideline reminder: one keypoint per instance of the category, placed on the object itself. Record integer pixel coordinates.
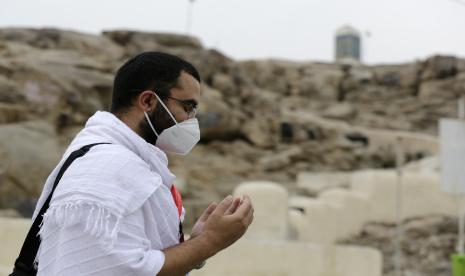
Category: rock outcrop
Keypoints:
(260, 119)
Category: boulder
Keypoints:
(49, 38)
(426, 244)
(459, 84)
(207, 61)
(217, 119)
(225, 84)
(9, 91)
(257, 131)
(279, 161)
(341, 111)
(461, 65)
(30, 151)
(12, 113)
(403, 75)
(440, 67)
(438, 89)
(136, 42)
(53, 81)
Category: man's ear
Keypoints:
(146, 101)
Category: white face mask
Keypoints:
(178, 139)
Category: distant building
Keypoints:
(348, 44)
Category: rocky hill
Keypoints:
(260, 119)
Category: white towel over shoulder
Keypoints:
(112, 212)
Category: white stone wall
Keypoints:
(270, 210)
(281, 258)
(266, 250)
(13, 231)
(314, 183)
(420, 194)
(339, 213)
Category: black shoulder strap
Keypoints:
(25, 262)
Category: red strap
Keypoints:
(177, 199)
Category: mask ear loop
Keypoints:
(166, 108)
(150, 123)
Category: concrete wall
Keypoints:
(340, 213)
(314, 183)
(13, 231)
(281, 258)
(270, 209)
(336, 213)
(319, 221)
(266, 249)
(420, 194)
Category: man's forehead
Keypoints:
(187, 86)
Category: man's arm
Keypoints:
(223, 227)
(182, 258)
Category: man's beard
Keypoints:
(160, 120)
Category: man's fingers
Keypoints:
(245, 207)
(233, 206)
(249, 218)
(208, 212)
(223, 206)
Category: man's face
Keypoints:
(183, 99)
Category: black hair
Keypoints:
(154, 71)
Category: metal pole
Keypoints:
(461, 108)
(399, 232)
(460, 243)
(189, 16)
(461, 228)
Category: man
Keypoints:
(115, 210)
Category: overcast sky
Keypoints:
(393, 30)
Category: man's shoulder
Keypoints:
(117, 155)
(110, 161)
(110, 173)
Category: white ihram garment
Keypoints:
(112, 212)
